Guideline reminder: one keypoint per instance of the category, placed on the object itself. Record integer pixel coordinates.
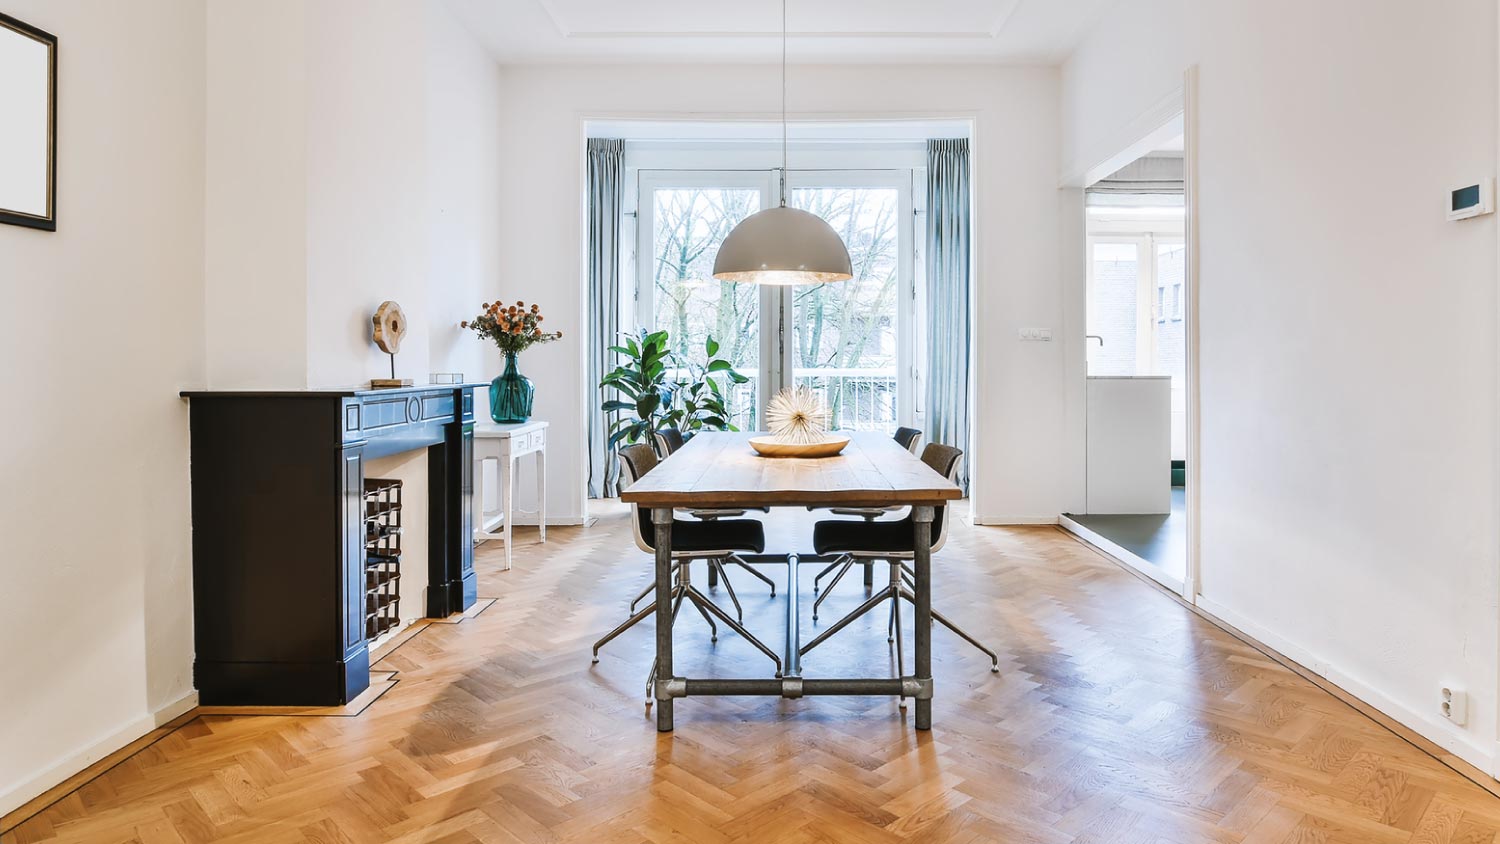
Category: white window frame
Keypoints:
(638, 292)
(1146, 235)
(906, 304)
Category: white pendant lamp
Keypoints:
(783, 245)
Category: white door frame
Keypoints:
(1176, 112)
(1192, 482)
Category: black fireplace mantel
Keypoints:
(278, 531)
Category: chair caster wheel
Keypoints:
(995, 670)
(595, 660)
(713, 640)
(890, 639)
(901, 704)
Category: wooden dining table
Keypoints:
(721, 470)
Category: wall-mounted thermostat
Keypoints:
(1472, 201)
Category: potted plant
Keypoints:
(691, 401)
(513, 329)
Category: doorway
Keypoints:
(1138, 318)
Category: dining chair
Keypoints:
(892, 541)
(714, 541)
(907, 438)
(668, 441)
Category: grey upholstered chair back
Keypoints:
(943, 459)
(668, 440)
(908, 438)
(635, 461)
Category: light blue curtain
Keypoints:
(606, 193)
(948, 322)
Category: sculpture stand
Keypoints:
(393, 381)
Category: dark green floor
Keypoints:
(1159, 540)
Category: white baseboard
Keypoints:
(15, 795)
(1439, 732)
(1015, 520)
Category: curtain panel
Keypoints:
(606, 194)
(948, 234)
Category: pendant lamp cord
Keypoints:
(783, 103)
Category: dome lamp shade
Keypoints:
(783, 246)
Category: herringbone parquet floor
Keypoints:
(1119, 717)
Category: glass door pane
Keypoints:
(1115, 308)
(1171, 342)
(688, 225)
(1171, 333)
(844, 339)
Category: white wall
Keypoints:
(240, 184)
(463, 187)
(1118, 80)
(1348, 334)
(1021, 466)
(352, 160)
(106, 327)
(256, 238)
(366, 201)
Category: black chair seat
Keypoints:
(834, 537)
(863, 536)
(716, 535)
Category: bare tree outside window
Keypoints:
(690, 224)
(846, 339)
(843, 335)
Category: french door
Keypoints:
(852, 341)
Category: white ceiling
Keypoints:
(994, 31)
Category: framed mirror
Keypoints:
(28, 125)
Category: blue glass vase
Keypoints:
(511, 394)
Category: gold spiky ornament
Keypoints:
(797, 416)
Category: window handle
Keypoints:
(1088, 337)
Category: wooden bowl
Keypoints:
(771, 447)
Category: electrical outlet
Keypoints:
(1455, 705)
(1035, 334)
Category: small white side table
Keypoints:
(506, 444)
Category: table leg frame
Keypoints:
(661, 517)
(921, 518)
(791, 684)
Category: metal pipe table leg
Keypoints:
(922, 563)
(661, 517)
(791, 665)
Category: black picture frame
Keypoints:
(47, 222)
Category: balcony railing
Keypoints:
(858, 399)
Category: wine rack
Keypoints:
(382, 556)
